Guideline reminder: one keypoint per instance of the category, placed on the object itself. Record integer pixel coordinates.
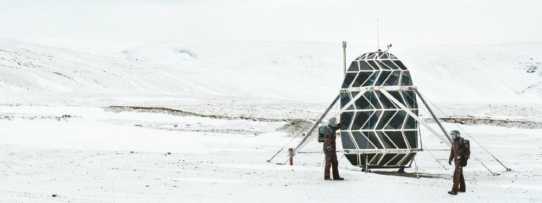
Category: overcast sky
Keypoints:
(410, 22)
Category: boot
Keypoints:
(327, 178)
(339, 178)
(461, 190)
(452, 192)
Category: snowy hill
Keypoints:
(200, 76)
(161, 69)
(282, 70)
(28, 68)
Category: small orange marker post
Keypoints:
(291, 152)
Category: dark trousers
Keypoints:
(459, 181)
(331, 161)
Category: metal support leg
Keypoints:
(366, 164)
(308, 135)
(416, 165)
(433, 115)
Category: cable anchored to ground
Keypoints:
(507, 169)
(435, 158)
(269, 160)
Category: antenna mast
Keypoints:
(377, 36)
(344, 57)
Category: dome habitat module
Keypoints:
(378, 133)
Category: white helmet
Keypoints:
(323, 123)
(333, 122)
(455, 134)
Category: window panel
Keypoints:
(345, 98)
(410, 123)
(353, 66)
(365, 66)
(386, 116)
(412, 137)
(383, 76)
(393, 80)
(373, 64)
(397, 159)
(353, 158)
(410, 98)
(362, 141)
(388, 144)
(372, 98)
(374, 139)
(347, 141)
(372, 79)
(349, 116)
(371, 124)
(386, 158)
(398, 97)
(348, 79)
(384, 67)
(390, 64)
(397, 138)
(376, 159)
(362, 77)
(400, 65)
(386, 103)
(406, 80)
(362, 103)
(361, 118)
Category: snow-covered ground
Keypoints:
(101, 156)
(58, 134)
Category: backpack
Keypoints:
(465, 147)
(321, 132)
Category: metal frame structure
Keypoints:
(378, 96)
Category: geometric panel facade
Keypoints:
(379, 134)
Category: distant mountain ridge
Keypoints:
(308, 72)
